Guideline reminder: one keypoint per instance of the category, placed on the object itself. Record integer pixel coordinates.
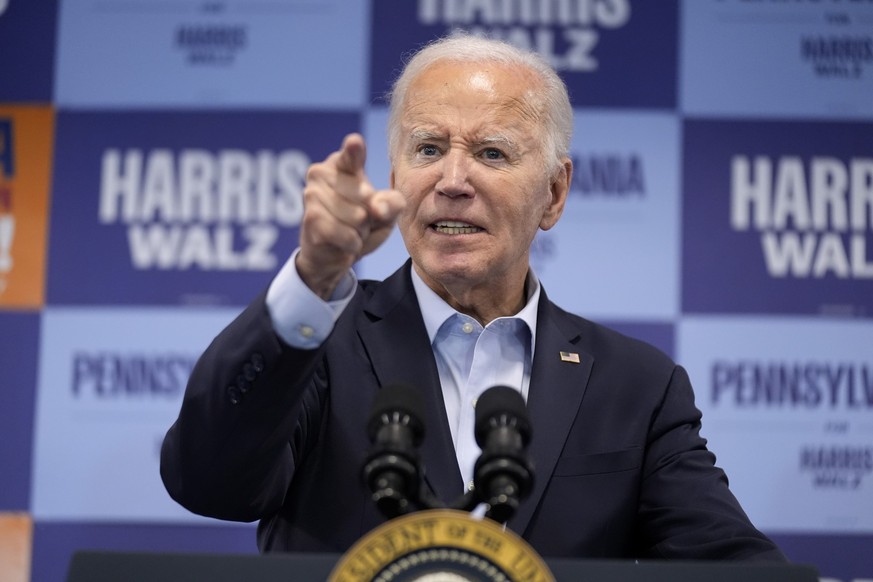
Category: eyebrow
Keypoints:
(499, 139)
(419, 135)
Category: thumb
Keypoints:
(386, 205)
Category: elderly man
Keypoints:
(273, 424)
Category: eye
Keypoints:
(492, 154)
(428, 150)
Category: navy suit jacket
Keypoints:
(272, 433)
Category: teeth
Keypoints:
(455, 227)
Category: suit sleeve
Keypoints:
(686, 509)
(250, 409)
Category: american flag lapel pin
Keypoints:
(571, 357)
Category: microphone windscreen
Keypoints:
(392, 399)
(497, 402)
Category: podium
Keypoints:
(426, 545)
(97, 566)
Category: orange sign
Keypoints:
(26, 140)
(16, 533)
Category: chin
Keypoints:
(442, 267)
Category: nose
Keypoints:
(455, 178)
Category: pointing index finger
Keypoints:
(353, 154)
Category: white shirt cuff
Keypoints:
(300, 317)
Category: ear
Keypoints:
(559, 188)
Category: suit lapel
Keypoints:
(556, 391)
(393, 333)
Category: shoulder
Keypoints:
(608, 347)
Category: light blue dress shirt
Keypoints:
(470, 358)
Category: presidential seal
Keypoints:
(441, 545)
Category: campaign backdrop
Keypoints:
(152, 160)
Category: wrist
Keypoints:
(321, 280)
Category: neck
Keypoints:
(484, 303)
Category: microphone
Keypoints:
(503, 474)
(395, 428)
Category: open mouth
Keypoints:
(455, 227)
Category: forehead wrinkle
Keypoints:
(524, 105)
(489, 129)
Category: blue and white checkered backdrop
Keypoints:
(152, 156)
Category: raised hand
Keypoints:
(344, 217)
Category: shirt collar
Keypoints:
(436, 311)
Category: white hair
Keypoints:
(553, 102)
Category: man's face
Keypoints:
(471, 166)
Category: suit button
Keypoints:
(242, 384)
(248, 372)
(234, 395)
(257, 362)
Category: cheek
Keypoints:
(541, 202)
(411, 190)
(531, 200)
(412, 208)
(406, 221)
